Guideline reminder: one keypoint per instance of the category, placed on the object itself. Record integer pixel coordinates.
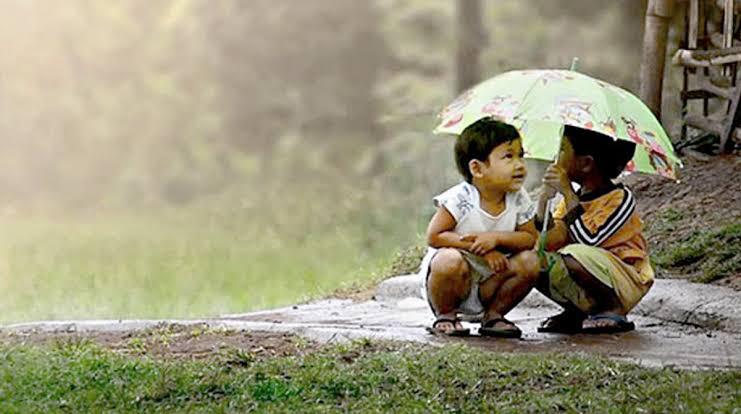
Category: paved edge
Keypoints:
(677, 301)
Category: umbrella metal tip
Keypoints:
(574, 63)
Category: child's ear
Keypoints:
(587, 164)
(474, 167)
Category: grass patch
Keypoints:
(81, 377)
(716, 253)
(405, 261)
(664, 224)
(180, 265)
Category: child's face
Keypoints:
(504, 169)
(567, 159)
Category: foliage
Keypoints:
(80, 377)
(715, 252)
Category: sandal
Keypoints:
(566, 322)
(619, 324)
(488, 328)
(434, 330)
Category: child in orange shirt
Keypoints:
(597, 265)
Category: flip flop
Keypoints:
(567, 322)
(488, 329)
(621, 324)
(455, 332)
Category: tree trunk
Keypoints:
(658, 17)
(471, 40)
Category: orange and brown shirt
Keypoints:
(608, 220)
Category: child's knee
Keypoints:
(527, 265)
(449, 263)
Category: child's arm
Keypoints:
(523, 238)
(556, 180)
(557, 235)
(440, 231)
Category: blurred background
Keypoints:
(185, 158)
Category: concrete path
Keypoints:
(679, 324)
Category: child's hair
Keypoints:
(610, 155)
(478, 140)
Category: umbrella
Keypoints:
(540, 102)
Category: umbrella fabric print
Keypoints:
(632, 130)
(458, 104)
(575, 112)
(501, 107)
(609, 127)
(553, 76)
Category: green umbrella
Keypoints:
(540, 102)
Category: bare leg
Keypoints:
(605, 299)
(448, 285)
(570, 319)
(501, 293)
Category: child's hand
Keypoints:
(482, 242)
(556, 179)
(548, 192)
(497, 261)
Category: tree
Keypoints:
(471, 41)
(658, 18)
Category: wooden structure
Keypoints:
(709, 55)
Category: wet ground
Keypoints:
(653, 343)
(277, 332)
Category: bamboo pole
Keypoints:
(728, 24)
(727, 30)
(694, 21)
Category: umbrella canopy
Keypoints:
(540, 102)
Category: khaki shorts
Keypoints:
(629, 283)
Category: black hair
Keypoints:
(478, 140)
(610, 155)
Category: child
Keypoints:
(601, 270)
(479, 258)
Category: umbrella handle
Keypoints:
(544, 231)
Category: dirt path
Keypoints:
(303, 328)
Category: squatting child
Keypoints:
(597, 267)
(479, 257)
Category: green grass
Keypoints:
(716, 253)
(180, 264)
(79, 377)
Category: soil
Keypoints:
(180, 342)
(707, 196)
(170, 341)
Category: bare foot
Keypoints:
(446, 327)
(607, 323)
